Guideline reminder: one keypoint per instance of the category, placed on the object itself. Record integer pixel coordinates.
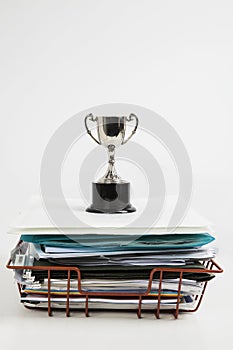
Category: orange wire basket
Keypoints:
(210, 266)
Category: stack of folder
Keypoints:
(113, 266)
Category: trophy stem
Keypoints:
(111, 173)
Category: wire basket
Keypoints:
(209, 266)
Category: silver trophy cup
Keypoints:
(110, 194)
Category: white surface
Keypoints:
(174, 57)
(34, 219)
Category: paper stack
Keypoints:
(110, 263)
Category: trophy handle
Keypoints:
(93, 119)
(131, 117)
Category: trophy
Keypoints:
(111, 194)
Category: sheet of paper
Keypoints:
(34, 219)
(101, 303)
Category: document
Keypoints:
(34, 219)
(112, 257)
(186, 303)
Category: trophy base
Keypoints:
(128, 209)
(113, 198)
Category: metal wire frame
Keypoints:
(210, 267)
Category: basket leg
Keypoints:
(159, 295)
(49, 293)
(139, 312)
(86, 307)
(178, 296)
(68, 295)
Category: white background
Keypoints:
(174, 57)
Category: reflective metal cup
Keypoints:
(111, 133)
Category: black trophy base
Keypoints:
(113, 198)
